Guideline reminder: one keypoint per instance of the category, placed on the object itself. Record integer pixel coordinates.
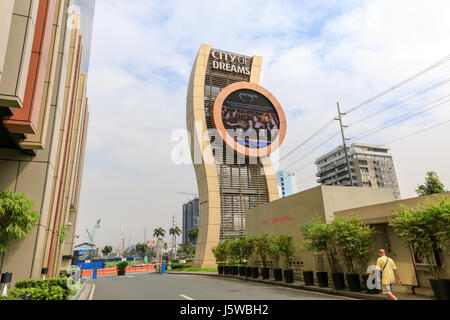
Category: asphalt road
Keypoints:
(153, 286)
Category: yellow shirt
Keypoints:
(388, 273)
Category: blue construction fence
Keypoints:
(99, 263)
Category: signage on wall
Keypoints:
(249, 119)
(231, 62)
(278, 220)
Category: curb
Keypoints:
(327, 290)
(85, 292)
(75, 297)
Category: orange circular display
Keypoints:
(249, 119)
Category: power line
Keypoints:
(398, 85)
(400, 102)
(399, 119)
(417, 132)
(306, 180)
(308, 139)
(312, 150)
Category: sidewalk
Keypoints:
(86, 292)
(301, 286)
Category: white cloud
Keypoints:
(315, 53)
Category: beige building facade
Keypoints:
(227, 186)
(412, 270)
(374, 206)
(43, 124)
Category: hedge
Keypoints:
(43, 289)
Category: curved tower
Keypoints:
(227, 112)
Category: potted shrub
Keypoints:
(121, 267)
(235, 251)
(354, 243)
(284, 244)
(317, 238)
(220, 255)
(229, 253)
(262, 248)
(247, 244)
(275, 256)
(308, 274)
(427, 229)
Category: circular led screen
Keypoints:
(249, 119)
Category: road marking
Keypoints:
(91, 294)
(186, 297)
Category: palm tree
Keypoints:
(106, 250)
(174, 232)
(159, 232)
(192, 235)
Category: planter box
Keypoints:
(234, 270)
(277, 274)
(308, 277)
(120, 272)
(255, 273)
(265, 273)
(226, 270)
(364, 280)
(338, 281)
(322, 279)
(353, 282)
(288, 276)
(441, 289)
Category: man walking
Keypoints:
(387, 269)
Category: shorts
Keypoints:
(388, 288)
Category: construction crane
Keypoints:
(188, 193)
(91, 235)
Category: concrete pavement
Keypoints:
(153, 286)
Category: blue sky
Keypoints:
(315, 53)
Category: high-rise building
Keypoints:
(191, 211)
(44, 59)
(287, 183)
(245, 124)
(370, 165)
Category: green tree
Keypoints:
(262, 247)
(193, 235)
(426, 228)
(432, 185)
(244, 248)
(141, 249)
(159, 232)
(107, 250)
(188, 249)
(319, 237)
(283, 245)
(232, 251)
(17, 217)
(354, 240)
(174, 232)
(220, 253)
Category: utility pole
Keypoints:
(145, 234)
(340, 114)
(173, 237)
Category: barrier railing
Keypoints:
(100, 272)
